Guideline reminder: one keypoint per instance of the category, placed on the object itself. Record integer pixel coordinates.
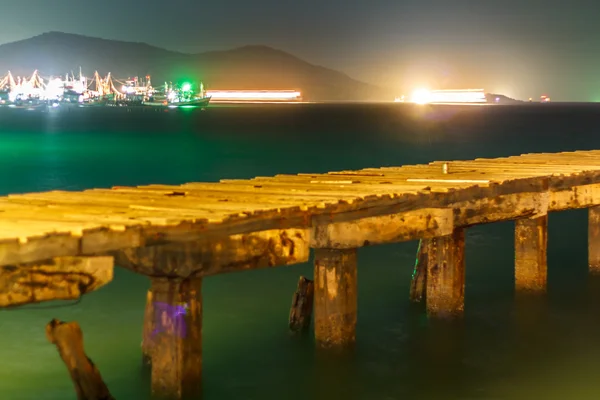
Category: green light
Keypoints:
(186, 87)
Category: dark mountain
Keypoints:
(249, 67)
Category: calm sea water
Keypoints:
(505, 348)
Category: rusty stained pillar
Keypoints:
(176, 340)
(531, 267)
(594, 240)
(418, 285)
(445, 296)
(335, 297)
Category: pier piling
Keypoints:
(531, 240)
(446, 275)
(594, 240)
(177, 339)
(148, 329)
(335, 297)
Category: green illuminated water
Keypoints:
(503, 350)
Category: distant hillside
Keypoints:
(249, 67)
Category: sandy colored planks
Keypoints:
(533, 168)
(430, 174)
(241, 193)
(25, 229)
(235, 199)
(145, 203)
(559, 178)
(102, 215)
(369, 185)
(359, 188)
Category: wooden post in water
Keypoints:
(418, 286)
(446, 275)
(335, 297)
(302, 306)
(531, 241)
(177, 342)
(594, 240)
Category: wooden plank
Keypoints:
(237, 191)
(255, 199)
(148, 202)
(361, 190)
(550, 169)
(107, 216)
(369, 186)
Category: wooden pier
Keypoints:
(55, 244)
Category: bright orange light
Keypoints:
(265, 95)
(421, 96)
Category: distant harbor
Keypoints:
(38, 92)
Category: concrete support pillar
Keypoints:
(176, 341)
(594, 240)
(531, 242)
(335, 297)
(148, 330)
(446, 275)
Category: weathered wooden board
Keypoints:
(66, 278)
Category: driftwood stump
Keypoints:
(302, 306)
(418, 285)
(68, 338)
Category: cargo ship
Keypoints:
(459, 96)
(255, 96)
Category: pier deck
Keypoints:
(179, 234)
(39, 226)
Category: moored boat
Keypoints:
(197, 102)
(178, 97)
(4, 97)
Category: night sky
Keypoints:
(521, 48)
